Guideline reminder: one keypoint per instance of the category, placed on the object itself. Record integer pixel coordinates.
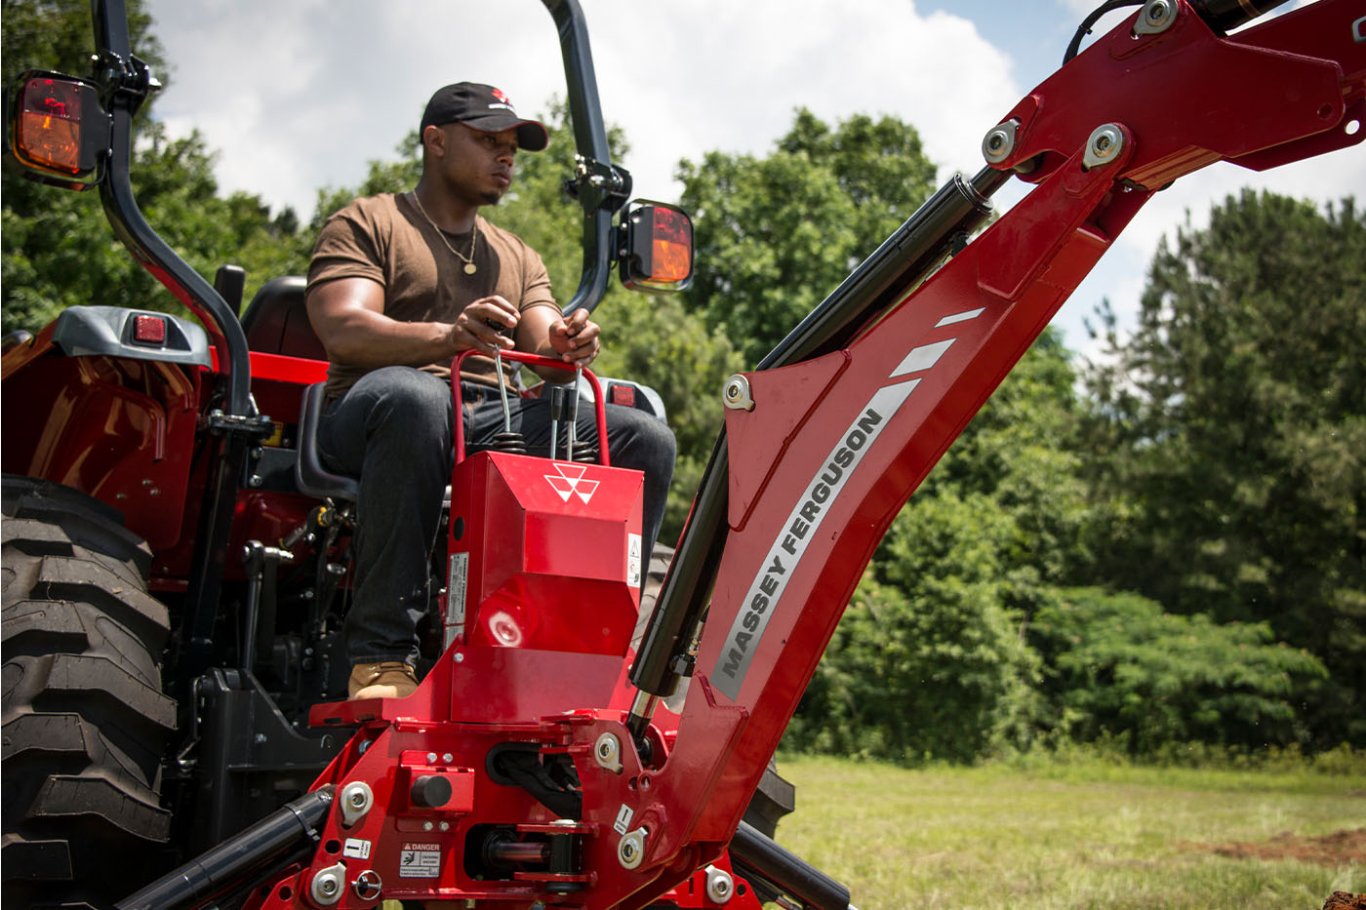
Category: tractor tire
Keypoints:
(775, 796)
(85, 721)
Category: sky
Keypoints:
(297, 95)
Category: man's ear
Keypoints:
(434, 140)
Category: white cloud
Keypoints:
(331, 84)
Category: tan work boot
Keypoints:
(387, 679)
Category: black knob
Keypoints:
(431, 791)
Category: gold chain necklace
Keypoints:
(470, 267)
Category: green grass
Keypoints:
(1085, 834)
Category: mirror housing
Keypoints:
(656, 247)
(59, 129)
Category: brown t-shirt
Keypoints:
(386, 239)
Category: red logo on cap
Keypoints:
(498, 93)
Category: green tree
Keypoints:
(57, 248)
(1229, 436)
(1119, 665)
(927, 662)
(776, 234)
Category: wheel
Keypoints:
(84, 717)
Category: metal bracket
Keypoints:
(329, 885)
(253, 426)
(1103, 145)
(736, 394)
(597, 185)
(355, 801)
(999, 142)
(1157, 16)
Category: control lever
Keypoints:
(572, 414)
(556, 411)
(502, 380)
(506, 441)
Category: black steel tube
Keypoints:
(903, 259)
(218, 870)
(590, 140)
(687, 586)
(753, 854)
(121, 208)
(1223, 15)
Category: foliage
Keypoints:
(1118, 665)
(774, 235)
(656, 341)
(927, 662)
(1228, 443)
(58, 250)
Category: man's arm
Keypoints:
(348, 317)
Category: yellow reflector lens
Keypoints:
(672, 261)
(49, 127)
(670, 247)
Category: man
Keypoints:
(400, 284)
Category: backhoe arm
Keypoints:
(833, 446)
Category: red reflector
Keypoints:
(149, 329)
(624, 395)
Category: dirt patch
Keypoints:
(1341, 900)
(1336, 849)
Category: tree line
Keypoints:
(1159, 547)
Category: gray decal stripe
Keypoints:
(798, 531)
(922, 358)
(960, 317)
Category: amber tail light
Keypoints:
(657, 249)
(58, 128)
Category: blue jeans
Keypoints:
(394, 430)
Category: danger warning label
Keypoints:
(420, 861)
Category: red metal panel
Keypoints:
(544, 554)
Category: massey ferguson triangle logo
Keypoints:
(570, 482)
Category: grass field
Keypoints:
(1084, 834)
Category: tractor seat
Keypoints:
(310, 475)
(276, 321)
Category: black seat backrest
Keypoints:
(276, 321)
(310, 475)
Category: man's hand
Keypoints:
(485, 326)
(576, 339)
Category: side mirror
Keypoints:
(656, 248)
(58, 129)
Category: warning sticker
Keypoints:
(420, 861)
(623, 822)
(355, 848)
(456, 583)
(633, 560)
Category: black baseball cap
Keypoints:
(485, 108)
